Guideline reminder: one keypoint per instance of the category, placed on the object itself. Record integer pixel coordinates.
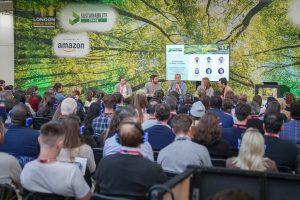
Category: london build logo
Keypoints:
(88, 17)
(44, 17)
(71, 45)
(94, 17)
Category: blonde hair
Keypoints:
(251, 152)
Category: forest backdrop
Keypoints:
(264, 43)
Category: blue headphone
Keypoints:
(137, 126)
(28, 121)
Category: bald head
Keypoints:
(19, 113)
(130, 134)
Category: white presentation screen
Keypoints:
(194, 62)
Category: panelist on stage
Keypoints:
(123, 87)
(152, 86)
(177, 85)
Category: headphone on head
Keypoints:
(28, 120)
(138, 127)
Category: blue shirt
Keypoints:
(291, 131)
(182, 90)
(100, 124)
(21, 142)
(226, 120)
(111, 146)
(159, 136)
(59, 97)
(232, 135)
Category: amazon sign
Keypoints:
(88, 17)
(71, 45)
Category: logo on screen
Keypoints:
(175, 49)
(88, 17)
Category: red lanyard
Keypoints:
(47, 160)
(239, 126)
(130, 152)
(273, 135)
(254, 117)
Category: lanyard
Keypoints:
(130, 152)
(239, 126)
(47, 160)
(273, 135)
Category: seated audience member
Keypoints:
(206, 102)
(75, 94)
(283, 152)
(151, 110)
(7, 102)
(152, 86)
(182, 152)
(100, 124)
(291, 129)
(127, 173)
(197, 111)
(21, 97)
(90, 98)
(289, 100)
(47, 108)
(68, 106)
(242, 98)
(227, 106)
(226, 120)
(242, 112)
(251, 154)
(139, 102)
(10, 169)
(208, 134)
(123, 87)
(33, 98)
(258, 100)
(273, 106)
(110, 144)
(119, 99)
(58, 90)
(47, 175)
(2, 85)
(161, 135)
(20, 141)
(253, 120)
(158, 95)
(74, 145)
(172, 102)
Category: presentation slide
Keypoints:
(194, 62)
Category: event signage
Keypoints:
(194, 62)
(71, 45)
(44, 17)
(88, 17)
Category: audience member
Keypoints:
(74, 145)
(139, 102)
(160, 135)
(226, 120)
(182, 152)
(58, 90)
(90, 98)
(253, 120)
(177, 85)
(123, 87)
(127, 173)
(205, 87)
(33, 98)
(289, 100)
(110, 145)
(283, 152)
(119, 99)
(152, 86)
(227, 106)
(151, 111)
(251, 154)
(172, 102)
(273, 106)
(10, 169)
(233, 134)
(100, 124)
(223, 84)
(68, 106)
(2, 85)
(242, 98)
(21, 141)
(158, 95)
(197, 111)
(206, 102)
(291, 129)
(48, 106)
(47, 175)
(208, 133)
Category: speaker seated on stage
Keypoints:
(233, 134)
(123, 87)
(177, 85)
(182, 151)
(20, 140)
(128, 173)
(47, 175)
(283, 152)
(152, 86)
(160, 135)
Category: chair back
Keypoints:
(39, 121)
(98, 196)
(98, 154)
(7, 192)
(218, 162)
(28, 195)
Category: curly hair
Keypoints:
(207, 132)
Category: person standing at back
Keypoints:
(223, 84)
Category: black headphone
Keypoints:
(138, 127)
